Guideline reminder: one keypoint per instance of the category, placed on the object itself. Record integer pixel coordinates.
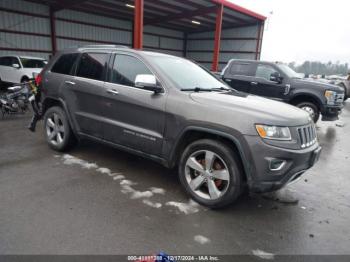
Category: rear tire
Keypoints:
(311, 109)
(58, 132)
(202, 164)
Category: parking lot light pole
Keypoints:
(138, 24)
(218, 27)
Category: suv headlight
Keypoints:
(273, 132)
(330, 96)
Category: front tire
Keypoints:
(311, 109)
(210, 173)
(345, 91)
(58, 132)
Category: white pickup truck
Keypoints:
(19, 69)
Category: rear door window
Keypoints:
(93, 66)
(242, 69)
(126, 68)
(65, 64)
(265, 71)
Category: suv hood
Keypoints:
(319, 84)
(257, 109)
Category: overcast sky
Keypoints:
(300, 30)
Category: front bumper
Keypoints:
(331, 113)
(263, 178)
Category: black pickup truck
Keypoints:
(280, 82)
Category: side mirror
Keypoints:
(17, 66)
(276, 77)
(148, 82)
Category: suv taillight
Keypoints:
(38, 79)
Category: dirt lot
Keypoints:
(98, 200)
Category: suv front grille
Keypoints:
(339, 99)
(307, 135)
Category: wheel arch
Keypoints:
(49, 102)
(192, 134)
(306, 97)
(24, 77)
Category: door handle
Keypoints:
(70, 83)
(113, 92)
(254, 83)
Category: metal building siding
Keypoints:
(21, 53)
(163, 43)
(91, 34)
(24, 23)
(24, 6)
(90, 18)
(64, 43)
(25, 42)
(246, 46)
(247, 31)
(67, 29)
(162, 31)
(171, 43)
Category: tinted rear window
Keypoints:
(92, 66)
(8, 61)
(244, 69)
(33, 63)
(65, 64)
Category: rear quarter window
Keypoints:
(244, 69)
(64, 64)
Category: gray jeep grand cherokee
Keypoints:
(173, 111)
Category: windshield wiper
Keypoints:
(221, 89)
(197, 89)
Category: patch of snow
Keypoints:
(201, 239)
(188, 208)
(104, 170)
(303, 207)
(138, 194)
(126, 189)
(126, 182)
(151, 204)
(71, 160)
(157, 190)
(118, 177)
(262, 254)
(135, 194)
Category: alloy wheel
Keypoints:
(55, 129)
(309, 110)
(207, 174)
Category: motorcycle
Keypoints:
(15, 100)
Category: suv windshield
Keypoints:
(186, 74)
(33, 63)
(288, 71)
